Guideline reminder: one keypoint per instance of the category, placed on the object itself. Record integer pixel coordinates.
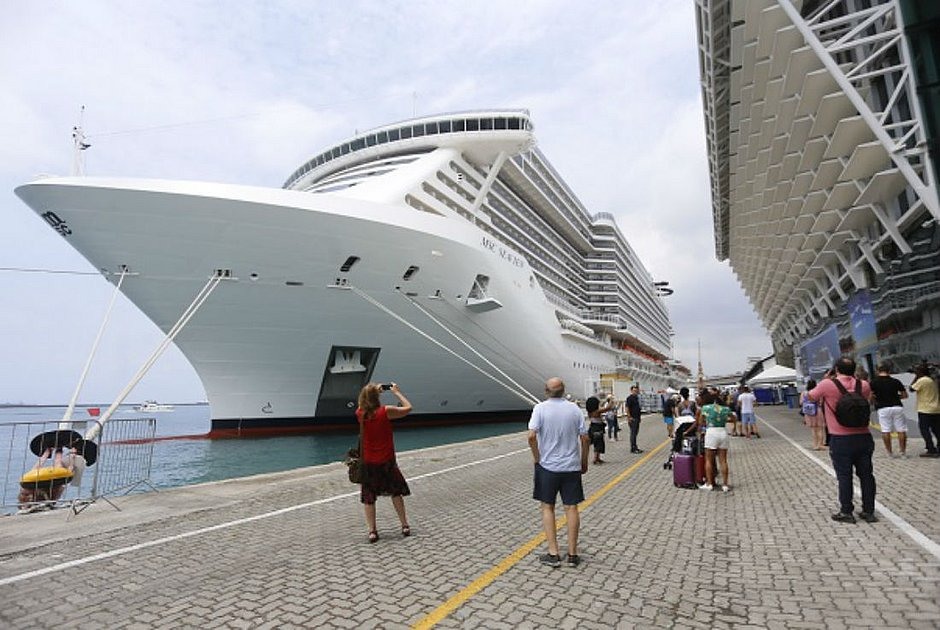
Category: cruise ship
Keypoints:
(442, 253)
(823, 134)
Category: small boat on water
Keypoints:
(153, 405)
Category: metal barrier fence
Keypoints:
(124, 462)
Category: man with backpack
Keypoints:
(844, 403)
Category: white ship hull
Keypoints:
(287, 339)
(261, 347)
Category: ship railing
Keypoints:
(123, 465)
(563, 304)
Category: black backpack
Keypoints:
(852, 410)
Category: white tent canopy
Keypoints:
(774, 375)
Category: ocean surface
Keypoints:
(189, 460)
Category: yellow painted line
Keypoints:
(458, 600)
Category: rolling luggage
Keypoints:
(688, 469)
(683, 470)
(699, 465)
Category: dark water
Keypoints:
(181, 462)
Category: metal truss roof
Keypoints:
(817, 151)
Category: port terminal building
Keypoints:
(822, 121)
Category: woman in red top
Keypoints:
(381, 476)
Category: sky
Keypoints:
(245, 92)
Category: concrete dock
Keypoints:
(289, 550)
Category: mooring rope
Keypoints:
(53, 271)
(522, 394)
(467, 346)
(64, 424)
(191, 310)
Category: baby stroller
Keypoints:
(682, 443)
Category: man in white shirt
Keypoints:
(559, 442)
(746, 402)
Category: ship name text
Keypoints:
(57, 223)
(502, 252)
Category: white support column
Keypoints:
(824, 293)
(488, 182)
(869, 254)
(890, 227)
(834, 280)
(854, 274)
(925, 190)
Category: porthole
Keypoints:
(412, 270)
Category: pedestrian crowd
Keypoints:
(561, 435)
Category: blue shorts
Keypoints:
(668, 420)
(748, 418)
(548, 484)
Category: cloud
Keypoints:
(246, 92)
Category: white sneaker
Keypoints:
(725, 489)
(706, 486)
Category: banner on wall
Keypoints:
(820, 353)
(862, 316)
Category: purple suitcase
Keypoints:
(684, 471)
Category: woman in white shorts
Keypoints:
(714, 417)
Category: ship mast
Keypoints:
(701, 372)
(79, 146)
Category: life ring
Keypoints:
(47, 477)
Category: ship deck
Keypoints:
(289, 549)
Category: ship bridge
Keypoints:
(480, 134)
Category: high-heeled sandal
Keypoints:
(405, 531)
(373, 536)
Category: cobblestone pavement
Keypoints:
(289, 549)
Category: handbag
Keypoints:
(354, 465)
(353, 461)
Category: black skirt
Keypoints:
(382, 480)
(596, 432)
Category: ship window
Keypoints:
(383, 137)
(370, 141)
(514, 123)
(352, 260)
(394, 134)
(430, 128)
(459, 125)
(405, 132)
(344, 149)
(473, 124)
(445, 126)
(334, 153)
(500, 123)
(418, 130)
(357, 144)
(486, 123)
(412, 270)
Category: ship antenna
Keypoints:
(79, 145)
